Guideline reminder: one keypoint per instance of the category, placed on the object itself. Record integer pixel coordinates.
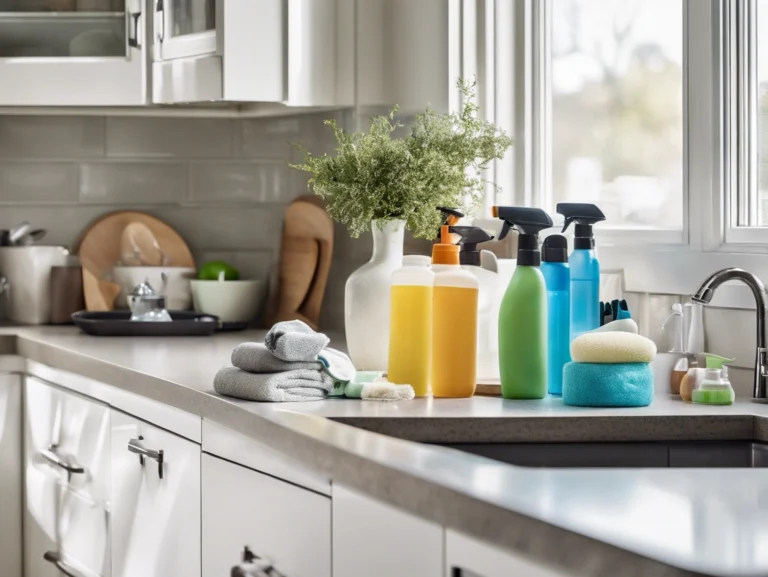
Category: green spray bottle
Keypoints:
(523, 313)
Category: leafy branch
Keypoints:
(374, 176)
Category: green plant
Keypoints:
(375, 176)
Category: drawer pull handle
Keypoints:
(62, 461)
(135, 446)
(55, 558)
(254, 566)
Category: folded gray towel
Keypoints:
(256, 358)
(295, 341)
(288, 386)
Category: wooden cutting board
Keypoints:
(100, 249)
(305, 261)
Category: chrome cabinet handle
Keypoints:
(133, 30)
(254, 566)
(160, 12)
(135, 446)
(66, 463)
(55, 558)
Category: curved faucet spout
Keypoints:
(706, 292)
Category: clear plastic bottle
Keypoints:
(454, 328)
(410, 325)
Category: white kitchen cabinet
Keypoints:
(66, 470)
(376, 540)
(10, 475)
(468, 557)
(155, 501)
(285, 525)
(296, 52)
(72, 53)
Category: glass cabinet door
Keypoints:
(73, 53)
(64, 28)
(185, 28)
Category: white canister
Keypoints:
(27, 272)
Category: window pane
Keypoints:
(617, 108)
(762, 107)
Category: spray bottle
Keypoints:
(554, 267)
(484, 266)
(585, 268)
(523, 313)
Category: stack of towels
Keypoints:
(610, 368)
(294, 363)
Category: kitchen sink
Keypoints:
(706, 454)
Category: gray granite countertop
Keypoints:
(630, 522)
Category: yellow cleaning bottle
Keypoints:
(410, 324)
(454, 332)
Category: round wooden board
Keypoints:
(100, 246)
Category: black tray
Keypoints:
(119, 324)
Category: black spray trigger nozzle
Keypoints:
(583, 214)
(505, 228)
(451, 216)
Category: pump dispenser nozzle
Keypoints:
(471, 236)
(584, 215)
(529, 222)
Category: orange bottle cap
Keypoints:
(444, 252)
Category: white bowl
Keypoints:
(233, 301)
(178, 295)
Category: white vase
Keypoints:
(366, 299)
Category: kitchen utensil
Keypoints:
(119, 324)
(32, 237)
(66, 293)
(139, 247)
(100, 250)
(233, 301)
(28, 272)
(147, 305)
(177, 292)
(305, 261)
(18, 232)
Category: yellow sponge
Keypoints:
(612, 347)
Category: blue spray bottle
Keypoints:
(557, 276)
(585, 268)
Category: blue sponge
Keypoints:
(607, 385)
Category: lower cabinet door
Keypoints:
(281, 525)
(11, 476)
(373, 539)
(155, 501)
(66, 468)
(468, 557)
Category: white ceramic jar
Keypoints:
(366, 299)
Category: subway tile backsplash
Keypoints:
(222, 183)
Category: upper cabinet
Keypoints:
(294, 52)
(72, 53)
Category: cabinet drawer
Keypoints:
(277, 521)
(155, 501)
(66, 463)
(468, 557)
(405, 545)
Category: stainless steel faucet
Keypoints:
(706, 292)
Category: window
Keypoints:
(617, 109)
(657, 110)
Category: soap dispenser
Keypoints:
(454, 326)
(715, 389)
(585, 268)
(523, 313)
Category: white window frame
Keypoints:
(655, 261)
